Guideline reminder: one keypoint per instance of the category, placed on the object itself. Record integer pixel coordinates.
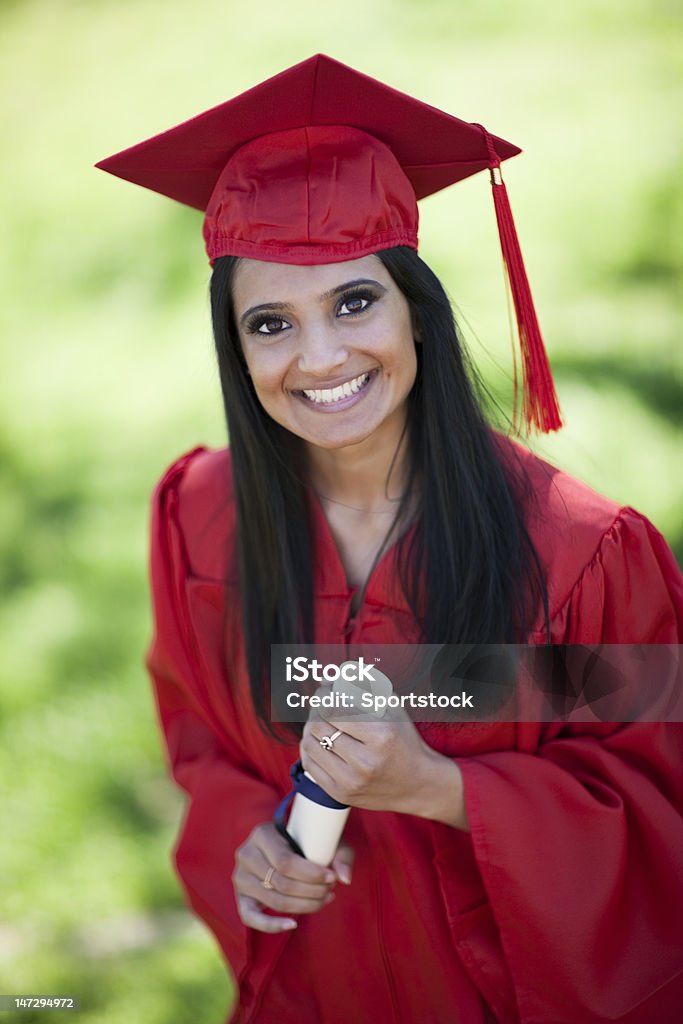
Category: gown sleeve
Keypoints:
(578, 836)
(225, 801)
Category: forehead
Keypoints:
(256, 281)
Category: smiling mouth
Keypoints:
(329, 396)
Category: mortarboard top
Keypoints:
(322, 164)
(433, 148)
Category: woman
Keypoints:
(521, 871)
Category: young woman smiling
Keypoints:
(503, 871)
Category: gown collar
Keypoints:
(329, 578)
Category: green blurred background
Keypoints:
(107, 375)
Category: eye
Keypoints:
(351, 306)
(267, 325)
(354, 303)
(271, 326)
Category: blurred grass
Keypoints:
(108, 374)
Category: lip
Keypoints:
(341, 403)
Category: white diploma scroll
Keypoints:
(317, 828)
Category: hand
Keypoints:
(299, 885)
(383, 765)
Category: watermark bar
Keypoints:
(479, 682)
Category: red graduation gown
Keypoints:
(563, 905)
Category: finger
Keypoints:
(317, 717)
(342, 746)
(293, 887)
(317, 767)
(330, 715)
(247, 885)
(358, 726)
(251, 914)
(364, 729)
(343, 862)
(278, 854)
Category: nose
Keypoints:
(322, 352)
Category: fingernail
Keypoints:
(330, 877)
(344, 874)
(288, 925)
(329, 897)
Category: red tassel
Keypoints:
(540, 405)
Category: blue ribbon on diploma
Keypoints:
(308, 788)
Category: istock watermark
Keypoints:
(303, 669)
(461, 683)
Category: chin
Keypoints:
(331, 442)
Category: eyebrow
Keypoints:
(282, 307)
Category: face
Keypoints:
(329, 348)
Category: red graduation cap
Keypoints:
(321, 164)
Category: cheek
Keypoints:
(404, 361)
(407, 369)
(266, 371)
(409, 373)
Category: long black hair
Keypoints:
(470, 552)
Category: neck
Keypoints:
(367, 477)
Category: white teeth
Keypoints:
(327, 395)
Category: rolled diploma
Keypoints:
(316, 828)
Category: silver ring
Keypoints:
(266, 883)
(327, 742)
